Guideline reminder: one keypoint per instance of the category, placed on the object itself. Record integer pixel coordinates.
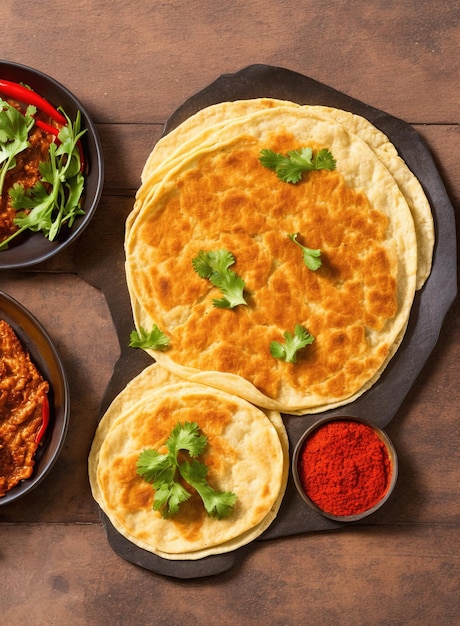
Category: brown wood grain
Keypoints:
(404, 574)
(132, 64)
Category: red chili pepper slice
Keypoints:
(27, 96)
(45, 419)
(52, 130)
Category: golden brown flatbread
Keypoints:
(200, 127)
(407, 182)
(206, 125)
(220, 196)
(247, 454)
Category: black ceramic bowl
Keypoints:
(35, 248)
(391, 475)
(46, 358)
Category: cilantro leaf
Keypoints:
(159, 469)
(270, 159)
(290, 167)
(155, 339)
(56, 198)
(14, 133)
(293, 343)
(168, 497)
(311, 257)
(214, 265)
(155, 466)
(165, 470)
(232, 286)
(215, 261)
(323, 160)
(217, 503)
(186, 437)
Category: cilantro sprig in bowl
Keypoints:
(52, 210)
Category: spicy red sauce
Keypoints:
(22, 394)
(344, 467)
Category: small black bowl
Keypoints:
(44, 355)
(390, 450)
(35, 248)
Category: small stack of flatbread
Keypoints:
(247, 454)
(205, 189)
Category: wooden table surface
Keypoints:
(132, 64)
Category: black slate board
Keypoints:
(383, 400)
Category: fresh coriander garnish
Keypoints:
(214, 265)
(154, 339)
(293, 343)
(14, 133)
(311, 257)
(56, 198)
(164, 470)
(290, 167)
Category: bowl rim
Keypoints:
(50, 249)
(391, 454)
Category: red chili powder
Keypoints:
(344, 467)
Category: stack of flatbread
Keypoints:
(246, 454)
(204, 188)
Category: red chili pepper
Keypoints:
(45, 419)
(27, 96)
(52, 130)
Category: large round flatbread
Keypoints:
(205, 126)
(219, 196)
(247, 454)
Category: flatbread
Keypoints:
(194, 130)
(407, 182)
(206, 125)
(247, 454)
(219, 196)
